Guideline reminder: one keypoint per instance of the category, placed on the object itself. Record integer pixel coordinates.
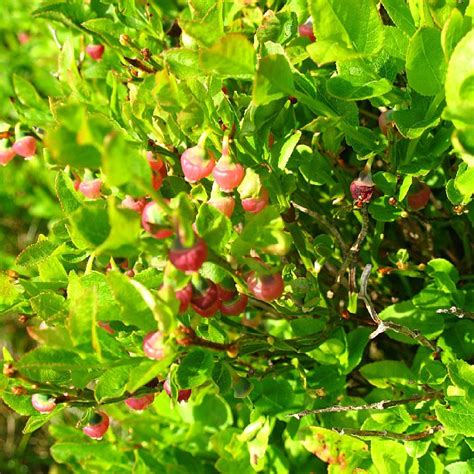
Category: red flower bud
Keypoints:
(6, 156)
(105, 325)
(184, 296)
(140, 403)
(420, 198)
(257, 204)
(43, 403)
(362, 188)
(224, 204)
(228, 175)
(155, 221)
(226, 294)
(183, 395)
(206, 301)
(265, 287)
(95, 51)
(90, 189)
(196, 164)
(97, 426)
(188, 259)
(385, 121)
(234, 306)
(306, 30)
(25, 147)
(153, 346)
(136, 205)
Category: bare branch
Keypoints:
(382, 326)
(355, 248)
(382, 405)
(388, 434)
(459, 313)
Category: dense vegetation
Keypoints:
(236, 236)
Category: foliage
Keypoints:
(349, 306)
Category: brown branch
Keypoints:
(382, 405)
(355, 248)
(459, 313)
(382, 326)
(388, 434)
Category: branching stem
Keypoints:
(382, 405)
(382, 326)
(355, 248)
(388, 434)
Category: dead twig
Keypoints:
(382, 405)
(382, 326)
(388, 434)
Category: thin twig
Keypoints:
(382, 326)
(382, 405)
(459, 313)
(355, 248)
(388, 434)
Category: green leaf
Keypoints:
(145, 370)
(231, 56)
(452, 33)
(27, 94)
(460, 82)
(36, 253)
(213, 411)
(343, 87)
(221, 377)
(134, 310)
(195, 369)
(9, 293)
(462, 375)
(273, 80)
(89, 226)
(381, 210)
(385, 373)
(306, 326)
(444, 273)
(46, 364)
(214, 227)
(329, 446)
(287, 149)
(124, 232)
(21, 404)
(183, 62)
(69, 199)
(49, 306)
(344, 30)
(459, 418)
(386, 182)
(459, 339)
(35, 422)
(426, 66)
(400, 14)
(104, 454)
(84, 314)
(388, 456)
(274, 397)
(261, 231)
(123, 163)
(111, 383)
(206, 21)
(460, 467)
(419, 313)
